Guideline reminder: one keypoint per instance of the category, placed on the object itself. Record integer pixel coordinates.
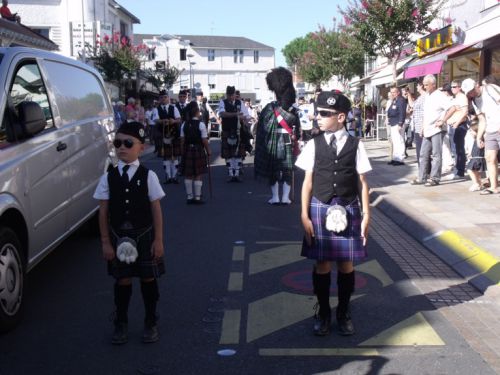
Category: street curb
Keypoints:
(481, 268)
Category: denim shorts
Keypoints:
(492, 141)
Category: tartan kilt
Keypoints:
(144, 266)
(194, 161)
(227, 151)
(172, 150)
(330, 246)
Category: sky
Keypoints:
(271, 22)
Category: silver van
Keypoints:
(55, 143)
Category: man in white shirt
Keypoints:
(433, 131)
(486, 103)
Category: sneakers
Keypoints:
(475, 187)
(150, 333)
(120, 334)
(416, 182)
(431, 183)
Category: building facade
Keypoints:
(210, 63)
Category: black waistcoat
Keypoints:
(129, 202)
(335, 176)
(205, 116)
(192, 133)
(231, 124)
(182, 111)
(169, 113)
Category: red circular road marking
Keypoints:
(302, 281)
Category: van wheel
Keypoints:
(11, 279)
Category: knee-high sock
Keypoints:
(285, 198)
(229, 168)
(150, 295)
(173, 167)
(122, 299)
(189, 188)
(197, 189)
(323, 293)
(275, 191)
(166, 166)
(345, 283)
(237, 166)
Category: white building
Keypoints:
(61, 21)
(210, 63)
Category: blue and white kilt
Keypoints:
(145, 265)
(329, 246)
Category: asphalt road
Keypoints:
(235, 284)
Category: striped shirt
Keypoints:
(418, 113)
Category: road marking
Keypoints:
(231, 327)
(235, 283)
(274, 257)
(412, 331)
(319, 352)
(374, 268)
(238, 253)
(471, 253)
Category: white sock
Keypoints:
(237, 166)
(173, 168)
(166, 166)
(197, 189)
(275, 191)
(285, 198)
(189, 188)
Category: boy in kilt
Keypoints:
(232, 147)
(335, 210)
(195, 152)
(278, 129)
(131, 226)
(169, 120)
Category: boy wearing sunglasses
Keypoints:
(131, 226)
(335, 210)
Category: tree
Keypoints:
(163, 78)
(385, 27)
(294, 50)
(115, 58)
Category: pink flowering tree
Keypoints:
(385, 27)
(116, 58)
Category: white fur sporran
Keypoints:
(126, 250)
(167, 141)
(232, 140)
(336, 219)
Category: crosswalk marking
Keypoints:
(235, 283)
(274, 257)
(231, 327)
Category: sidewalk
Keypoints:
(460, 227)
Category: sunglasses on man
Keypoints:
(128, 143)
(327, 113)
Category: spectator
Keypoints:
(120, 117)
(418, 118)
(486, 102)
(130, 110)
(447, 164)
(476, 163)
(396, 114)
(7, 14)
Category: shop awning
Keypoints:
(384, 76)
(432, 64)
(485, 28)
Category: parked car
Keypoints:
(55, 142)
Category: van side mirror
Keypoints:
(31, 118)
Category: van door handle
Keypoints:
(61, 146)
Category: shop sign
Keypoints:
(435, 41)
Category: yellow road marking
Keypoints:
(412, 331)
(319, 352)
(238, 253)
(231, 327)
(483, 261)
(235, 283)
(275, 257)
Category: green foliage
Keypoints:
(163, 78)
(115, 57)
(385, 27)
(320, 55)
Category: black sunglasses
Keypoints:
(327, 113)
(128, 143)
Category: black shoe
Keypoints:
(398, 163)
(322, 325)
(175, 181)
(198, 201)
(150, 333)
(168, 181)
(237, 179)
(345, 326)
(190, 201)
(120, 334)
(391, 162)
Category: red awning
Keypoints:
(424, 69)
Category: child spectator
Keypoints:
(130, 222)
(476, 162)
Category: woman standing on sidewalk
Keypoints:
(335, 221)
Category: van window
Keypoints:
(27, 85)
(78, 93)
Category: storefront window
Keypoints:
(495, 63)
(466, 66)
